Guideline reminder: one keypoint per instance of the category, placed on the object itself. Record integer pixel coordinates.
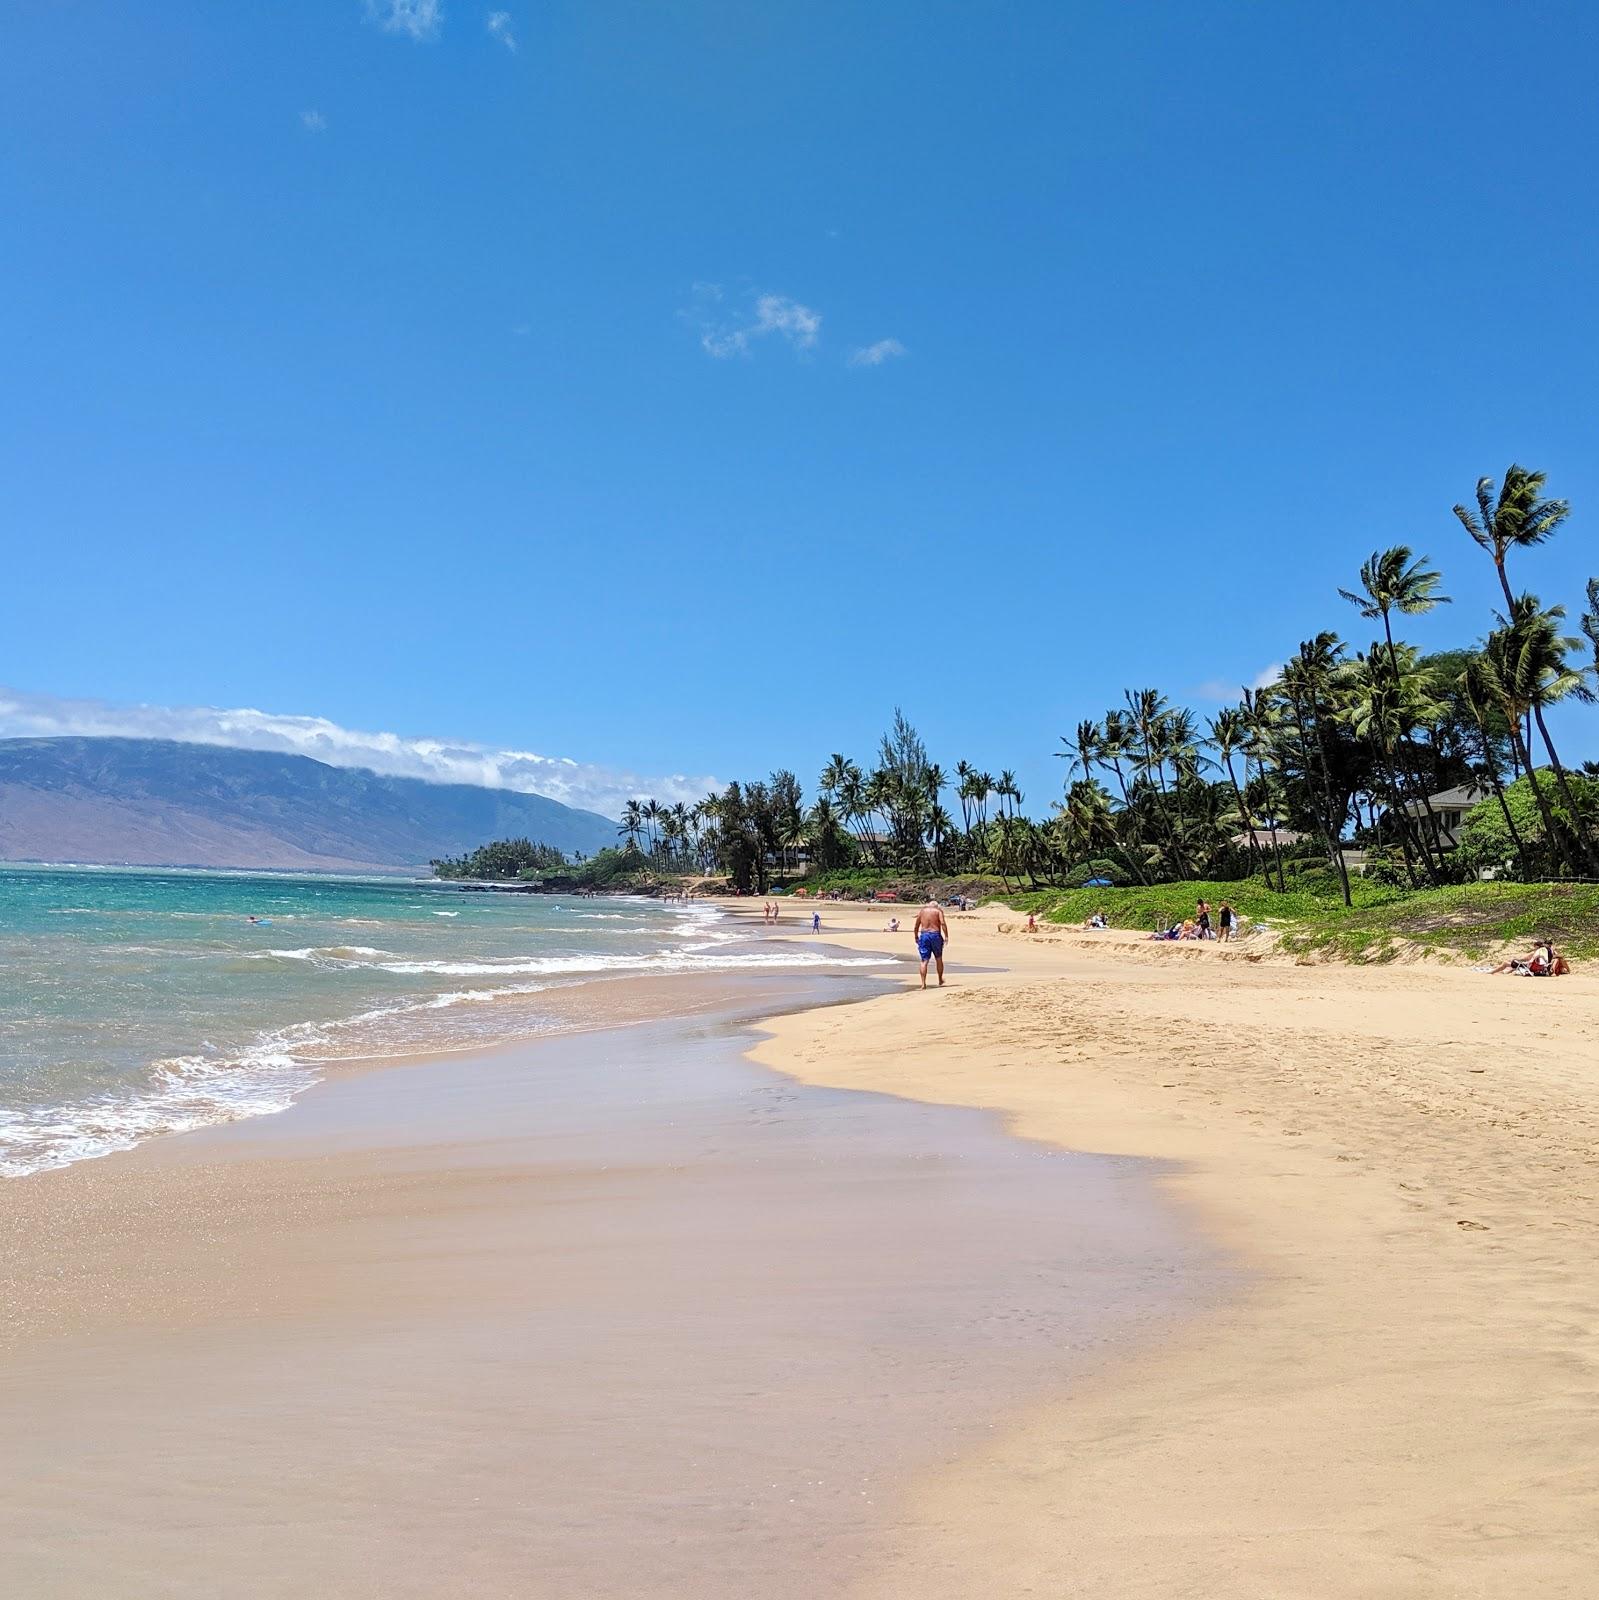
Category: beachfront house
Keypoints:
(1447, 809)
(1264, 838)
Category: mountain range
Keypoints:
(157, 802)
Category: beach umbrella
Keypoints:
(1098, 883)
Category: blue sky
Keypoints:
(677, 386)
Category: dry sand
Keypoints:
(1406, 1403)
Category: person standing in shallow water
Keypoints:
(932, 933)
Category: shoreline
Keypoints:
(1335, 1130)
(1399, 1402)
(620, 1315)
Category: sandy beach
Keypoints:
(618, 1314)
(1315, 1316)
(1403, 1402)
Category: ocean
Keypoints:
(136, 1002)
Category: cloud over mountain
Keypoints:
(438, 760)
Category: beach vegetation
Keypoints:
(502, 860)
(1351, 771)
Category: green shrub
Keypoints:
(1079, 875)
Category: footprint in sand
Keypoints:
(1476, 1227)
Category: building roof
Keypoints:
(1264, 836)
(1461, 798)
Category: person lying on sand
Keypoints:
(932, 932)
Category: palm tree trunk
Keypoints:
(1492, 768)
(1578, 821)
(1243, 811)
(1551, 834)
(1395, 807)
(1138, 837)
(1504, 582)
(1324, 819)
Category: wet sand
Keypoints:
(616, 1314)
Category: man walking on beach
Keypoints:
(931, 933)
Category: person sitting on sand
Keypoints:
(1189, 931)
(1544, 962)
(932, 933)
(893, 924)
(1097, 921)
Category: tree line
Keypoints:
(1346, 745)
(502, 859)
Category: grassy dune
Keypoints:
(1467, 921)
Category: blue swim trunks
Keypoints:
(929, 943)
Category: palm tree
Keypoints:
(632, 823)
(683, 823)
(1391, 581)
(834, 775)
(1084, 753)
(963, 791)
(1115, 744)
(1476, 689)
(1384, 706)
(1227, 735)
(1006, 790)
(1147, 714)
(1517, 519)
(1590, 621)
(1179, 741)
(1544, 677)
(983, 787)
(824, 835)
(1260, 728)
(1501, 676)
(1307, 682)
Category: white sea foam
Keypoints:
(682, 960)
(318, 952)
(485, 1000)
(211, 1086)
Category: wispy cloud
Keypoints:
(499, 24)
(723, 336)
(418, 19)
(874, 355)
(313, 122)
(1220, 689)
(438, 760)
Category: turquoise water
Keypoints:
(134, 1003)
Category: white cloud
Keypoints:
(313, 122)
(418, 19)
(1219, 689)
(574, 783)
(722, 337)
(874, 355)
(499, 24)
